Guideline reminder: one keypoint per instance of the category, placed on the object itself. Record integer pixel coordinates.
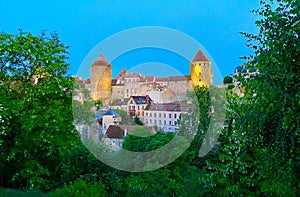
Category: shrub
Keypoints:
(80, 189)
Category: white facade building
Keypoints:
(165, 115)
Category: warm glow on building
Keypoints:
(200, 68)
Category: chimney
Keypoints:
(147, 99)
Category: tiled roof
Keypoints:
(114, 131)
(99, 114)
(148, 107)
(141, 99)
(168, 107)
(147, 79)
(101, 61)
(200, 56)
(123, 73)
(132, 74)
(81, 81)
(114, 81)
(111, 112)
(123, 102)
(165, 79)
(178, 78)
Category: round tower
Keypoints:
(200, 68)
(101, 76)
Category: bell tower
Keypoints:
(200, 68)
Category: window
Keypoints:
(129, 107)
(133, 107)
(165, 122)
(154, 115)
(150, 121)
(146, 114)
(131, 102)
(164, 115)
(170, 115)
(159, 115)
(150, 114)
(155, 121)
(159, 122)
(138, 107)
(175, 116)
(143, 107)
(170, 122)
(139, 114)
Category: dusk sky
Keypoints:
(215, 24)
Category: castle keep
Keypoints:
(162, 90)
(101, 74)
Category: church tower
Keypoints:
(200, 68)
(101, 75)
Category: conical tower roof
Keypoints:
(200, 57)
(101, 61)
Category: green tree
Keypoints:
(259, 151)
(35, 105)
(81, 188)
(227, 79)
(138, 121)
(98, 104)
(83, 112)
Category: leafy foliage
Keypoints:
(98, 104)
(81, 189)
(227, 79)
(138, 121)
(36, 108)
(259, 151)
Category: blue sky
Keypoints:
(83, 24)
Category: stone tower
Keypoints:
(101, 75)
(201, 73)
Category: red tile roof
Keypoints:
(165, 79)
(147, 79)
(101, 61)
(123, 73)
(178, 78)
(200, 56)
